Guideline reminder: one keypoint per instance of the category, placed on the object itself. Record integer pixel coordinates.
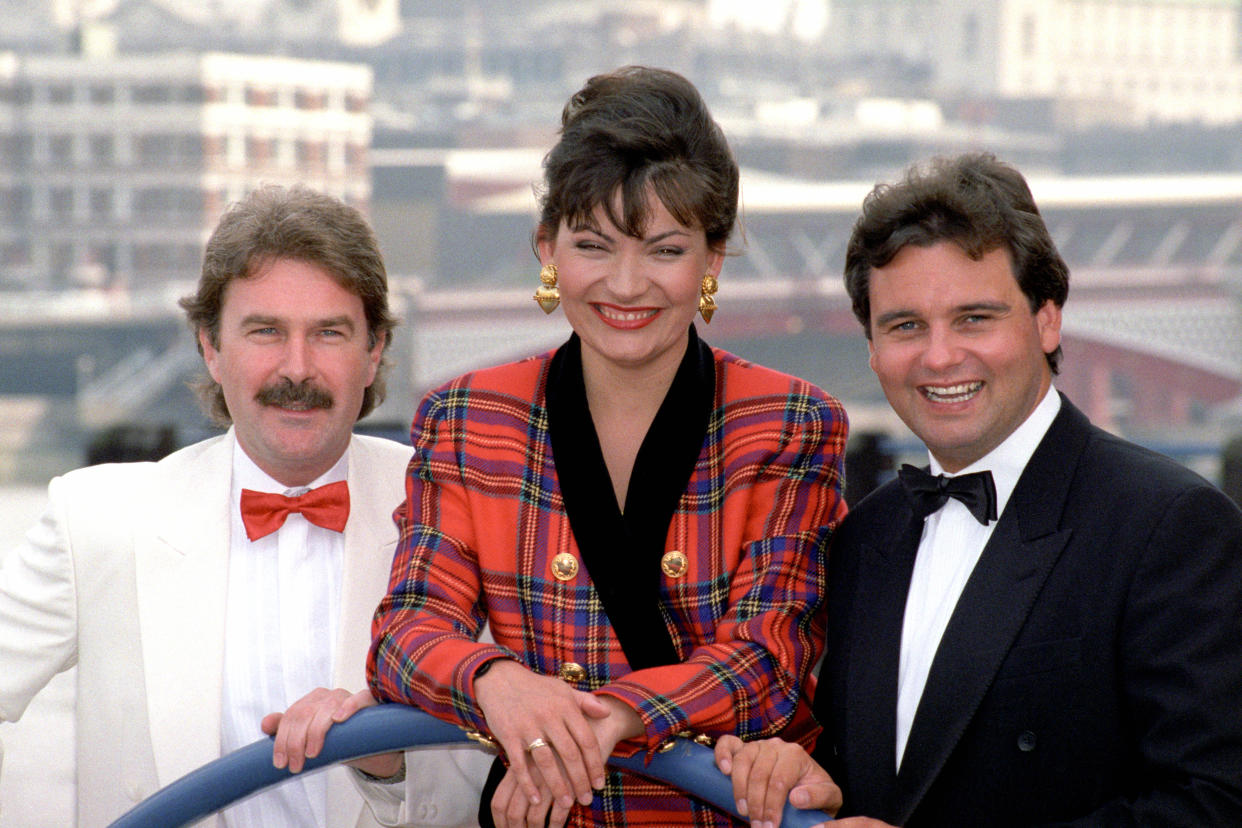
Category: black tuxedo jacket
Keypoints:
(1091, 672)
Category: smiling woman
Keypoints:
(638, 517)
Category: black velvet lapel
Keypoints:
(622, 552)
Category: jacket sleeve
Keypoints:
(749, 675)
(424, 650)
(38, 608)
(1181, 669)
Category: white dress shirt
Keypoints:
(284, 594)
(950, 547)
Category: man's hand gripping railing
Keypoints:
(391, 727)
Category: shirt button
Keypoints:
(1026, 741)
(571, 672)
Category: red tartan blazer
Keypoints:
(484, 518)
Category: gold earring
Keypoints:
(707, 305)
(548, 295)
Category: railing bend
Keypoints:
(391, 727)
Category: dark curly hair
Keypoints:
(973, 200)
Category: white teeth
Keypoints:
(951, 393)
(624, 316)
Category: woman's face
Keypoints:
(631, 300)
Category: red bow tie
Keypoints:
(265, 512)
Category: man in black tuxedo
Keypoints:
(1047, 628)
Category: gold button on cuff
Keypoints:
(564, 567)
(571, 672)
(485, 741)
(674, 563)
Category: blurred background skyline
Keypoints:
(127, 126)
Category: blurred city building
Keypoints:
(114, 168)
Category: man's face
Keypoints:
(294, 361)
(957, 350)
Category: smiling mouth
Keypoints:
(961, 392)
(618, 315)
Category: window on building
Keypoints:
(103, 150)
(102, 94)
(60, 150)
(101, 203)
(193, 93)
(60, 93)
(260, 96)
(150, 94)
(260, 151)
(355, 102)
(1029, 32)
(15, 253)
(310, 99)
(60, 199)
(155, 150)
(970, 36)
(15, 151)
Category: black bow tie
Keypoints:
(928, 492)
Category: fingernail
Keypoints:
(741, 807)
(768, 824)
(567, 801)
(598, 784)
(278, 760)
(585, 799)
(725, 766)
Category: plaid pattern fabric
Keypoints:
(484, 518)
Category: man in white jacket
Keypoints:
(237, 577)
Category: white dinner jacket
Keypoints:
(126, 576)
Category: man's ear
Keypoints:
(211, 356)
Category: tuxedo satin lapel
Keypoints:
(181, 566)
(994, 605)
(884, 568)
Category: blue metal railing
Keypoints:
(391, 727)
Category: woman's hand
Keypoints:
(765, 773)
(511, 808)
(543, 724)
(301, 729)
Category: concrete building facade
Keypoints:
(114, 169)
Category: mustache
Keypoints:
(286, 394)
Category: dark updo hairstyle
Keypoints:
(973, 200)
(634, 129)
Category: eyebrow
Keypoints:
(581, 228)
(900, 314)
(328, 322)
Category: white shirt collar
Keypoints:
(1009, 459)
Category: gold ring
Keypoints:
(538, 743)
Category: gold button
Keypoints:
(485, 741)
(674, 564)
(571, 672)
(564, 567)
